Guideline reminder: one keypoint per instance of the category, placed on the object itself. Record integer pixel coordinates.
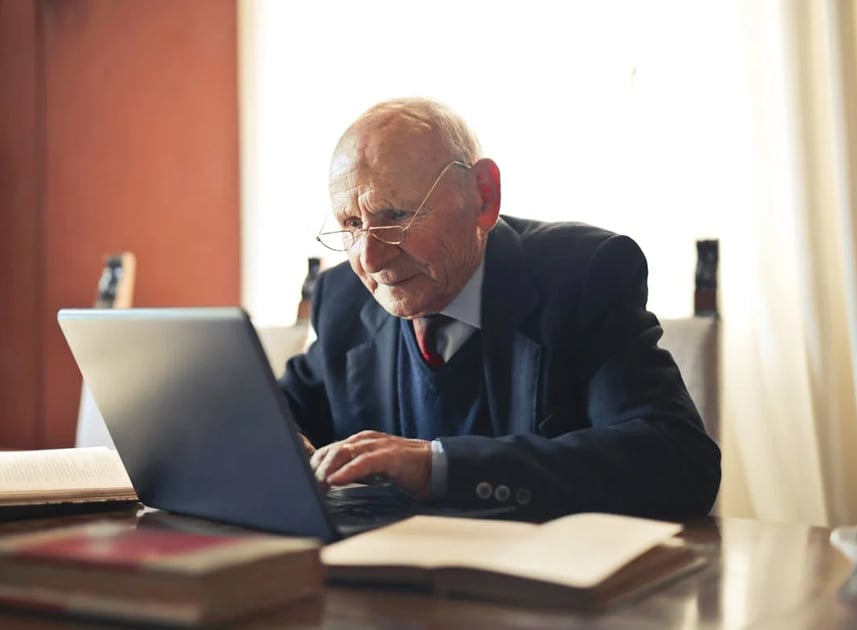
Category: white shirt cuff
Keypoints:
(438, 469)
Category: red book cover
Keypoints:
(117, 547)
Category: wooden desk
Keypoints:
(763, 575)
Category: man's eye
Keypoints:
(352, 224)
(400, 215)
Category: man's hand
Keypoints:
(405, 461)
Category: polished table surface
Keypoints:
(758, 575)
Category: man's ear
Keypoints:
(488, 185)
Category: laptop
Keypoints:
(203, 428)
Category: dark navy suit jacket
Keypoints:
(587, 412)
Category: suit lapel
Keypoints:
(371, 373)
(511, 358)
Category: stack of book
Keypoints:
(154, 575)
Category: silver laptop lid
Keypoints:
(196, 415)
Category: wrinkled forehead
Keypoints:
(358, 190)
(396, 156)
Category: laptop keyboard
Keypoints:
(368, 506)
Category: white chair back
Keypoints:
(694, 343)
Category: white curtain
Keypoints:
(789, 281)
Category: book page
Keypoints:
(581, 550)
(61, 473)
(428, 542)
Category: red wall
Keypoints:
(19, 225)
(122, 120)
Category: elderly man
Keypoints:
(483, 359)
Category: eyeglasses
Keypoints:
(343, 240)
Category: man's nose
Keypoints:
(374, 255)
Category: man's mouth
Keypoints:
(394, 282)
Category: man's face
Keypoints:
(383, 182)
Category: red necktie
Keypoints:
(425, 329)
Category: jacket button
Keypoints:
(523, 496)
(484, 490)
(501, 493)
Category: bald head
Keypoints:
(406, 132)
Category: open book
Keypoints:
(586, 561)
(43, 482)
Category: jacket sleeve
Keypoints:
(303, 383)
(634, 444)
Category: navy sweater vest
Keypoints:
(441, 402)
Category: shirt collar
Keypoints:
(467, 305)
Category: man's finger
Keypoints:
(335, 457)
(359, 467)
(310, 449)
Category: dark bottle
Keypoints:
(313, 269)
(705, 295)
